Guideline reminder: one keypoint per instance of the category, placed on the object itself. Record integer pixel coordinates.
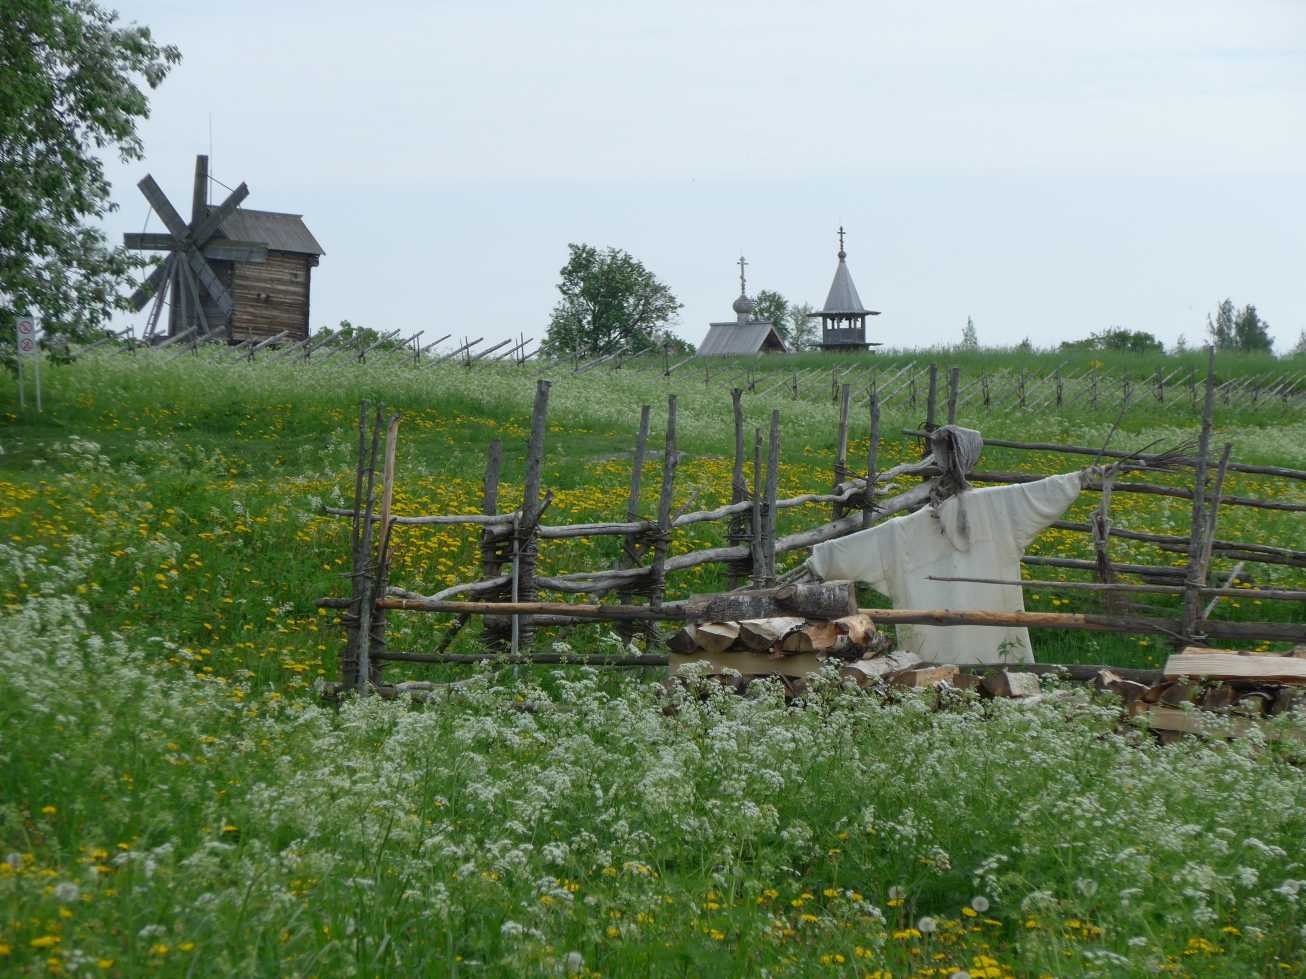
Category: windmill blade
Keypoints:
(204, 231)
(212, 284)
(149, 242)
(150, 286)
(164, 270)
(224, 250)
(194, 301)
(163, 208)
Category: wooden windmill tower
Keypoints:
(231, 274)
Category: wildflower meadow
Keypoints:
(177, 799)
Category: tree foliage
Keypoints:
(771, 307)
(1117, 338)
(804, 330)
(969, 338)
(609, 299)
(1242, 330)
(71, 86)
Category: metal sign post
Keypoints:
(29, 350)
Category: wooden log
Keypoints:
(922, 677)
(1212, 517)
(1150, 489)
(859, 628)
(760, 635)
(716, 637)
(1232, 666)
(1284, 553)
(530, 659)
(868, 671)
(1008, 683)
(814, 637)
(1270, 593)
(1274, 631)
(804, 599)
(750, 664)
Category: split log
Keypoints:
(859, 628)
(1232, 666)
(921, 677)
(1006, 683)
(762, 634)
(1166, 719)
(814, 637)
(867, 671)
(751, 664)
(716, 637)
(1108, 681)
(685, 640)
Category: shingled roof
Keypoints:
(280, 232)
(728, 339)
(843, 299)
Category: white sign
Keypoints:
(27, 346)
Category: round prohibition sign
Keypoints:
(26, 328)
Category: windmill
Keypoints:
(201, 300)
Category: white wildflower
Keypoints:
(979, 904)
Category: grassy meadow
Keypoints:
(176, 800)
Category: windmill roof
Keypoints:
(725, 339)
(280, 232)
(843, 296)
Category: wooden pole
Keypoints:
(364, 573)
(841, 447)
(1196, 543)
(772, 491)
(497, 630)
(631, 551)
(1285, 631)
(932, 399)
(739, 530)
(755, 543)
(872, 462)
(526, 536)
(663, 540)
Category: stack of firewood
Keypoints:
(1245, 687)
(787, 631)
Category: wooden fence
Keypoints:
(859, 494)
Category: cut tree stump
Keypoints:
(1006, 683)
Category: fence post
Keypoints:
(1059, 388)
(631, 551)
(772, 493)
(756, 557)
(526, 536)
(1196, 540)
(494, 546)
(841, 446)
(356, 665)
(663, 538)
(931, 402)
(739, 530)
(872, 462)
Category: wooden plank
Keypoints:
(751, 664)
(1224, 665)
(223, 250)
(149, 242)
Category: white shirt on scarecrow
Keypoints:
(978, 533)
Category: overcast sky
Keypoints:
(1049, 167)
